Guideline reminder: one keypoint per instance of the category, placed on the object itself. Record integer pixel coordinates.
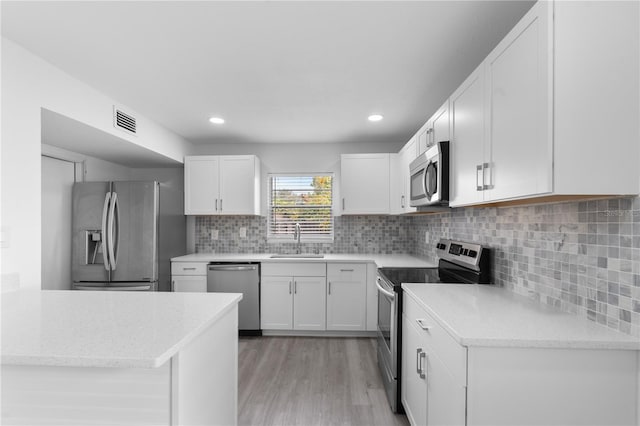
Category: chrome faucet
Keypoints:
(296, 235)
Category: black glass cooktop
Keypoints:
(397, 276)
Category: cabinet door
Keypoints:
(396, 190)
(189, 284)
(467, 140)
(238, 184)
(406, 157)
(346, 296)
(276, 303)
(518, 92)
(446, 396)
(414, 387)
(423, 138)
(440, 124)
(365, 183)
(201, 185)
(309, 303)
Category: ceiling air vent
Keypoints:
(124, 121)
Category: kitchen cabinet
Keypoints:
(431, 393)
(346, 296)
(222, 185)
(400, 178)
(364, 183)
(518, 83)
(293, 296)
(466, 149)
(436, 129)
(189, 277)
(562, 382)
(532, 98)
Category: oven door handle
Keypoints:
(384, 291)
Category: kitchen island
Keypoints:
(72, 357)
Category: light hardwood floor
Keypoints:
(311, 381)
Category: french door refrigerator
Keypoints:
(115, 236)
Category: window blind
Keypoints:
(303, 199)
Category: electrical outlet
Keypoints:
(243, 232)
(214, 235)
(426, 237)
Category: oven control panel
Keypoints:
(459, 252)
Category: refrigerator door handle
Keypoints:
(104, 237)
(113, 231)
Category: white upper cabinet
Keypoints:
(423, 138)
(364, 183)
(518, 95)
(400, 178)
(467, 135)
(545, 99)
(201, 189)
(222, 185)
(440, 124)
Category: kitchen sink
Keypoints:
(297, 256)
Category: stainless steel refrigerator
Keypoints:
(115, 236)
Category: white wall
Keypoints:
(29, 84)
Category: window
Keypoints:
(305, 199)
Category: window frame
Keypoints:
(276, 238)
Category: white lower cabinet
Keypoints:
(293, 296)
(445, 383)
(346, 296)
(189, 277)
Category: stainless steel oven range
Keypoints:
(459, 263)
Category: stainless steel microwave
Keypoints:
(430, 177)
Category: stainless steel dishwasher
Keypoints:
(239, 278)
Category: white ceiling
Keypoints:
(291, 71)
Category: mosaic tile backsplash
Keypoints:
(583, 257)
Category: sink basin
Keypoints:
(297, 256)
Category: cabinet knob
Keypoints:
(422, 324)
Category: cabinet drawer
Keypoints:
(188, 268)
(347, 271)
(436, 339)
(189, 284)
(300, 269)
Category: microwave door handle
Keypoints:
(104, 237)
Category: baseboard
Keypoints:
(308, 333)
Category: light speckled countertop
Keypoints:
(483, 315)
(104, 329)
(381, 260)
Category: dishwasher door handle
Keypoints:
(233, 267)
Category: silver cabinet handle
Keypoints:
(422, 372)
(220, 204)
(329, 287)
(422, 324)
(295, 287)
(402, 201)
(216, 204)
(342, 203)
(289, 287)
(479, 177)
(418, 352)
(486, 171)
(188, 269)
(346, 270)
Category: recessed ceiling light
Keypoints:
(216, 120)
(375, 117)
